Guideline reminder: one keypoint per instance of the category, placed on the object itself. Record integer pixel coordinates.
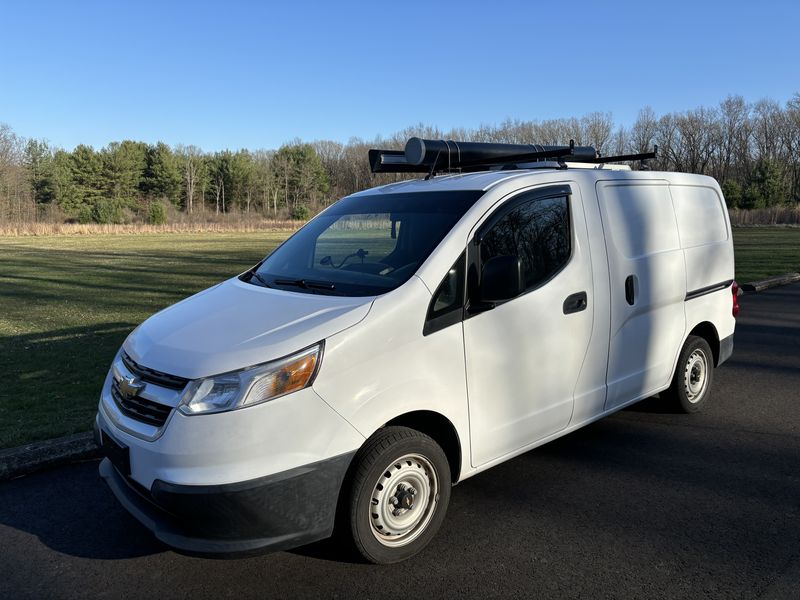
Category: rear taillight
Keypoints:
(735, 291)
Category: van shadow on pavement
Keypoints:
(72, 511)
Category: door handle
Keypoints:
(575, 303)
(630, 289)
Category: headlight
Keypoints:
(252, 385)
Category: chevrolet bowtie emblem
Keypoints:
(130, 386)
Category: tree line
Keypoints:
(752, 149)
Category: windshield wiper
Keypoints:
(261, 279)
(306, 284)
(254, 273)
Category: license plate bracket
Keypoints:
(118, 454)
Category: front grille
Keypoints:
(140, 408)
(166, 380)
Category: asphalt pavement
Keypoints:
(643, 504)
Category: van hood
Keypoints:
(235, 325)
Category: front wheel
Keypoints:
(691, 385)
(399, 494)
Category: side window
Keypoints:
(538, 231)
(448, 299)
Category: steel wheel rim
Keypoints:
(695, 376)
(411, 480)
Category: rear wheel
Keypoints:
(399, 494)
(694, 374)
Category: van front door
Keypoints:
(524, 355)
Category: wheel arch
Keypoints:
(708, 332)
(440, 429)
(431, 423)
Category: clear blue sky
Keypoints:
(232, 74)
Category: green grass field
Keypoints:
(67, 303)
(764, 251)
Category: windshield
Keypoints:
(364, 245)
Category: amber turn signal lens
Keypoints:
(292, 374)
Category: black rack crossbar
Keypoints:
(621, 157)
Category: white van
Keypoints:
(411, 336)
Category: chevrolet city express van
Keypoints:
(411, 336)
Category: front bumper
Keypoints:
(265, 477)
(276, 512)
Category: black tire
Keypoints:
(371, 514)
(690, 390)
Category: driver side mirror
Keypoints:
(501, 279)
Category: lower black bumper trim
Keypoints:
(725, 349)
(277, 512)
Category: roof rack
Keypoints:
(438, 156)
(622, 157)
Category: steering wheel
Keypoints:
(360, 253)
